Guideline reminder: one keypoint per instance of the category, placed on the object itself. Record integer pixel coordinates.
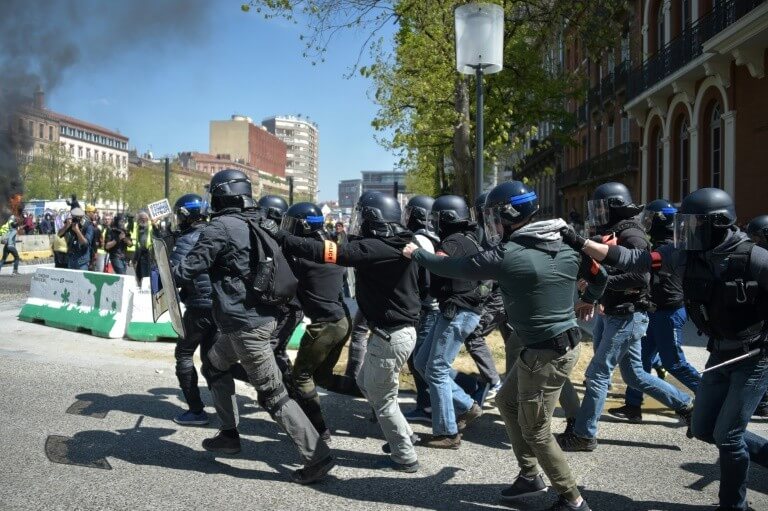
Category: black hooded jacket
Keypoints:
(627, 292)
(462, 293)
(387, 288)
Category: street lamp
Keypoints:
(479, 50)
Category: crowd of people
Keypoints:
(441, 274)
(438, 275)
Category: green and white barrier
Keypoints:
(141, 326)
(79, 300)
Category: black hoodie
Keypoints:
(386, 286)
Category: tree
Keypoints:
(100, 182)
(141, 187)
(51, 174)
(425, 106)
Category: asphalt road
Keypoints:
(104, 408)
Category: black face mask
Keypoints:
(659, 232)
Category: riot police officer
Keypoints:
(199, 326)
(273, 207)
(320, 293)
(725, 289)
(537, 273)
(665, 328)
(626, 303)
(387, 293)
(460, 305)
(223, 250)
(758, 231)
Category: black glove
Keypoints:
(572, 238)
(270, 226)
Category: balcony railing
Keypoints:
(609, 86)
(622, 158)
(687, 46)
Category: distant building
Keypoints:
(263, 183)
(301, 137)
(248, 144)
(383, 181)
(349, 192)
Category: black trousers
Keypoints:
(286, 324)
(200, 331)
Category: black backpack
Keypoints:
(270, 278)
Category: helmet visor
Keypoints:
(598, 212)
(493, 226)
(291, 224)
(356, 223)
(440, 220)
(692, 232)
(416, 214)
(205, 207)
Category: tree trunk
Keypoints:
(463, 164)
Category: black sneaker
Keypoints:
(326, 436)
(761, 411)
(468, 417)
(390, 464)
(627, 412)
(225, 442)
(562, 504)
(414, 440)
(313, 473)
(523, 487)
(570, 426)
(661, 372)
(573, 443)
(686, 415)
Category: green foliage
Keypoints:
(426, 109)
(51, 174)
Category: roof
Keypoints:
(87, 125)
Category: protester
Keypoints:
(47, 226)
(339, 234)
(142, 245)
(536, 273)
(8, 232)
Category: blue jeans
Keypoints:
(597, 331)
(434, 362)
(725, 401)
(427, 320)
(118, 265)
(665, 338)
(620, 345)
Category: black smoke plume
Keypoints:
(41, 41)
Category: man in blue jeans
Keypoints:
(665, 329)
(625, 303)
(460, 303)
(725, 286)
(79, 232)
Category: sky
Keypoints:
(163, 96)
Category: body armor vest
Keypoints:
(731, 308)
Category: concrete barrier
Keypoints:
(141, 326)
(33, 246)
(79, 300)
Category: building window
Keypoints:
(88, 153)
(79, 151)
(71, 149)
(684, 154)
(31, 127)
(624, 128)
(41, 131)
(659, 166)
(610, 135)
(660, 27)
(715, 148)
(50, 132)
(685, 15)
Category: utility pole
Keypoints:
(167, 178)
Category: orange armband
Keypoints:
(330, 250)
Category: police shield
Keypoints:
(167, 298)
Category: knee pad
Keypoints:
(185, 365)
(273, 399)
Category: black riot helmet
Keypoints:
(273, 207)
(449, 214)
(376, 215)
(704, 219)
(416, 213)
(189, 208)
(658, 219)
(758, 230)
(229, 188)
(304, 219)
(508, 207)
(611, 203)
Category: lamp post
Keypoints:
(479, 51)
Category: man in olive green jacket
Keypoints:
(537, 275)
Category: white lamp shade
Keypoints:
(479, 38)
